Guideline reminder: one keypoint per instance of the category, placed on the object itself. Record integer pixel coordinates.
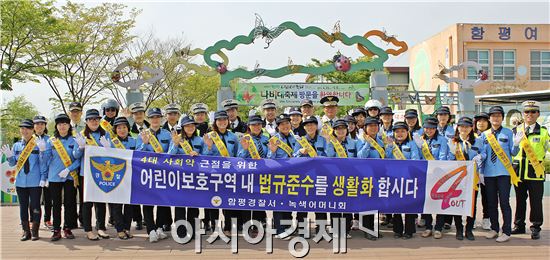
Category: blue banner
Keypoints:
(295, 184)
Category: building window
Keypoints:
(540, 65)
(482, 58)
(504, 65)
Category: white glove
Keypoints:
(64, 173)
(105, 142)
(43, 183)
(418, 140)
(518, 137)
(7, 151)
(389, 146)
(80, 140)
(452, 146)
(41, 144)
(477, 159)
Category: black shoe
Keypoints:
(370, 237)
(459, 236)
(470, 236)
(139, 226)
(518, 230)
(447, 226)
(167, 228)
(397, 235)
(535, 235)
(407, 236)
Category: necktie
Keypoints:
(330, 121)
(260, 148)
(493, 154)
(465, 151)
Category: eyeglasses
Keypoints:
(530, 112)
(110, 109)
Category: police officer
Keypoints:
(444, 118)
(354, 132)
(194, 144)
(373, 147)
(481, 124)
(411, 118)
(230, 145)
(340, 138)
(373, 108)
(94, 135)
(307, 108)
(269, 109)
(122, 213)
(386, 118)
(41, 131)
(530, 170)
(172, 116)
(295, 115)
(260, 140)
(138, 115)
(330, 109)
(409, 151)
(75, 113)
(25, 155)
(110, 110)
(281, 146)
(359, 114)
(317, 147)
(155, 139)
(497, 176)
(200, 115)
(437, 149)
(236, 124)
(61, 183)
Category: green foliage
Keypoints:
(12, 113)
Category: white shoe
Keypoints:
(486, 224)
(160, 234)
(492, 234)
(421, 223)
(503, 238)
(153, 237)
(355, 225)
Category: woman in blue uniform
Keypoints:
(413, 124)
(350, 149)
(229, 148)
(465, 146)
(317, 147)
(373, 148)
(41, 131)
(147, 141)
(29, 180)
(96, 136)
(481, 124)
(281, 146)
(437, 149)
(194, 145)
(409, 150)
(260, 145)
(122, 213)
(60, 162)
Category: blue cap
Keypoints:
(221, 114)
(443, 111)
(482, 115)
(400, 125)
(154, 111)
(339, 122)
(62, 118)
(430, 122)
(39, 119)
(306, 102)
(27, 123)
(282, 118)
(496, 109)
(386, 111)
(350, 119)
(121, 121)
(187, 120)
(92, 113)
(372, 120)
(358, 111)
(310, 119)
(254, 120)
(465, 121)
(410, 113)
(294, 111)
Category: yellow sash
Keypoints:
(252, 149)
(340, 151)
(65, 158)
(502, 157)
(426, 151)
(531, 155)
(25, 154)
(118, 144)
(375, 144)
(459, 155)
(154, 142)
(91, 140)
(326, 129)
(107, 127)
(305, 144)
(282, 145)
(219, 143)
(397, 154)
(186, 147)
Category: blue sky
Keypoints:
(202, 24)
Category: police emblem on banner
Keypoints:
(107, 172)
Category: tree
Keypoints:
(29, 31)
(12, 113)
(99, 34)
